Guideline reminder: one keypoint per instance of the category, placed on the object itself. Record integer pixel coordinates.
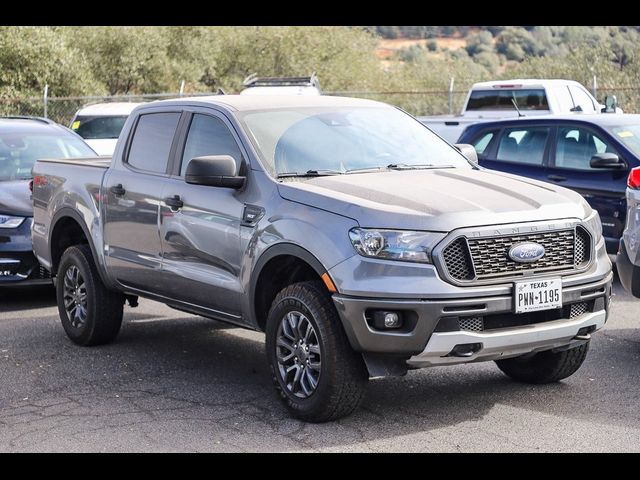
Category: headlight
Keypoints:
(593, 223)
(10, 222)
(395, 244)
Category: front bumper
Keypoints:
(628, 272)
(18, 265)
(428, 314)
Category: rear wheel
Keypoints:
(544, 367)
(319, 377)
(90, 313)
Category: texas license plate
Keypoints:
(538, 295)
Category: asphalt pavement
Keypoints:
(177, 383)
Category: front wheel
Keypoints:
(319, 377)
(90, 313)
(544, 367)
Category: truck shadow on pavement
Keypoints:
(26, 298)
(209, 385)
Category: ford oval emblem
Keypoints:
(526, 252)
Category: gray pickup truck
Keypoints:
(361, 243)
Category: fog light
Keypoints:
(386, 320)
(391, 320)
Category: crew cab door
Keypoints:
(201, 242)
(132, 196)
(604, 189)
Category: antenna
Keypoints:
(515, 105)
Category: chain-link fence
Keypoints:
(418, 102)
(62, 109)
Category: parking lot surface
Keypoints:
(174, 382)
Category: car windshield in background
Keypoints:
(340, 140)
(629, 135)
(19, 152)
(93, 128)
(529, 99)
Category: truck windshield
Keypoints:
(19, 152)
(627, 134)
(526, 99)
(93, 128)
(339, 140)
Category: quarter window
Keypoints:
(482, 142)
(523, 145)
(152, 140)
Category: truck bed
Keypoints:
(98, 162)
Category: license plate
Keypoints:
(538, 295)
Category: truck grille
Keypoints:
(485, 258)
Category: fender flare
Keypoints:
(272, 252)
(68, 212)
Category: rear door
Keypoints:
(519, 149)
(604, 189)
(133, 192)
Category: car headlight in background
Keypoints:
(593, 223)
(10, 222)
(403, 245)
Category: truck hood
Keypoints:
(15, 198)
(437, 200)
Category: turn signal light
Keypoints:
(634, 178)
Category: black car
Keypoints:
(591, 154)
(22, 142)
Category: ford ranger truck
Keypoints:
(361, 243)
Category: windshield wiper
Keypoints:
(309, 173)
(426, 166)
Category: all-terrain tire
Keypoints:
(103, 307)
(545, 367)
(342, 373)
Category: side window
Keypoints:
(523, 145)
(152, 140)
(582, 99)
(482, 142)
(208, 136)
(575, 146)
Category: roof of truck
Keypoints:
(522, 82)
(260, 102)
(108, 109)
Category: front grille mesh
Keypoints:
(578, 309)
(486, 258)
(456, 257)
(583, 247)
(471, 324)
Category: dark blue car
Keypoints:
(22, 142)
(591, 154)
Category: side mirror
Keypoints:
(610, 104)
(468, 151)
(607, 160)
(214, 171)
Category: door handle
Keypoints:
(557, 178)
(174, 202)
(118, 190)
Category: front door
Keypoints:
(201, 238)
(133, 192)
(604, 189)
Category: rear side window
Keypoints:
(152, 140)
(523, 145)
(502, 99)
(208, 136)
(482, 142)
